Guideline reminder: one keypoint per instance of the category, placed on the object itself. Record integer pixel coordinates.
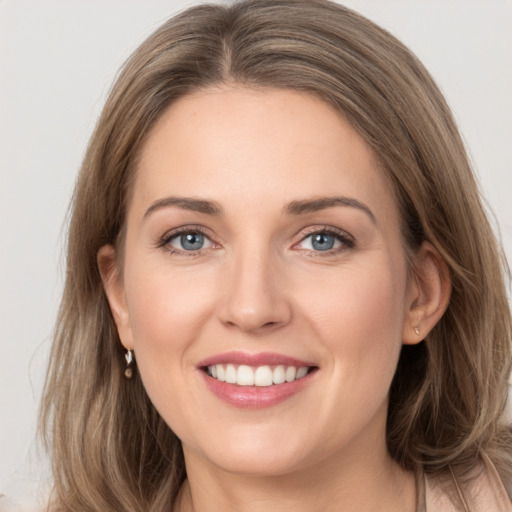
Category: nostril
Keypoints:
(251, 323)
(251, 303)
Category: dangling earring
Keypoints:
(128, 372)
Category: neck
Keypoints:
(342, 483)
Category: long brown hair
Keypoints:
(111, 450)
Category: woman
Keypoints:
(282, 289)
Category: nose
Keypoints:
(254, 298)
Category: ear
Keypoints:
(428, 294)
(114, 289)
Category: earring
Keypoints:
(128, 372)
(417, 331)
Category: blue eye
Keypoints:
(322, 241)
(190, 241)
(325, 241)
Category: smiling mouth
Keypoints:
(259, 376)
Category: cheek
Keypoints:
(360, 326)
(168, 311)
(165, 307)
(353, 302)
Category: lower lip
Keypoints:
(255, 397)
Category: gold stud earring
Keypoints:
(128, 373)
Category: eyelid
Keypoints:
(178, 238)
(346, 239)
(163, 242)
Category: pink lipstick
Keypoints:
(255, 380)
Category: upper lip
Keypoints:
(260, 359)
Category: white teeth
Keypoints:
(301, 372)
(231, 374)
(245, 376)
(221, 375)
(261, 376)
(291, 372)
(279, 375)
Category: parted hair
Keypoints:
(110, 449)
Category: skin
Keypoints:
(258, 285)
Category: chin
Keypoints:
(255, 454)
(258, 464)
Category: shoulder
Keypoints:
(481, 491)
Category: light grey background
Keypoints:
(57, 62)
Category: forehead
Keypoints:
(253, 147)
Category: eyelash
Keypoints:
(164, 242)
(346, 240)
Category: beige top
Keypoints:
(483, 493)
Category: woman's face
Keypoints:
(263, 242)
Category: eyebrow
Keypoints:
(186, 203)
(314, 205)
(299, 207)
